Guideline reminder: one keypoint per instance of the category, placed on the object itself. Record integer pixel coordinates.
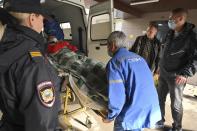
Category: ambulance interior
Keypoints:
(72, 21)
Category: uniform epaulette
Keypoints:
(36, 55)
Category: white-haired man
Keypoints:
(133, 100)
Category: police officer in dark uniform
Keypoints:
(29, 86)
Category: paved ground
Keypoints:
(189, 118)
(190, 110)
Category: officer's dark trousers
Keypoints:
(8, 127)
(167, 84)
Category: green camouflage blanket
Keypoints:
(87, 77)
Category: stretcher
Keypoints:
(71, 94)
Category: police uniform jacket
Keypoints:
(29, 94)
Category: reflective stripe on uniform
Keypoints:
(115, 81)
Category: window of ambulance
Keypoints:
(100, 27)
(66, 27)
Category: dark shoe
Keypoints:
(172, 129)
(159, 124)
(1, 123)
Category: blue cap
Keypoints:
(52, 28)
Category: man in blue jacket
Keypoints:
(133, 100)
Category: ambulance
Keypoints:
(88, 32)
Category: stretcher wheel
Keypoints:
(88, 123)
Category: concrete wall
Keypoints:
(136, 27)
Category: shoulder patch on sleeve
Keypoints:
(46, 93)
(35, 54)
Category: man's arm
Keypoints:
(191, 68)
(157, 58)
(134, 46)
(116, 94)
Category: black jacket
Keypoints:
(141, 44)
(29, 87)
(180, 53)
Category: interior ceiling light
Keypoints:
(143, 2)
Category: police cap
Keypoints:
(25, 6)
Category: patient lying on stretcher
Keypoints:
(89, 75)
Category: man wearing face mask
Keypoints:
(148, 46)
(179, 61)
(29, 86)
